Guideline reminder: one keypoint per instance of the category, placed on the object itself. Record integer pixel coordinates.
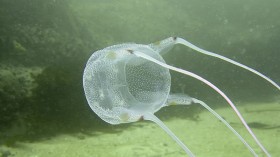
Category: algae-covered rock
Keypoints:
(58, 102)
(40, 32)
(15, 86)
(42, 52)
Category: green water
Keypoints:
(44, 46)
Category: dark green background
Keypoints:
(44, 46)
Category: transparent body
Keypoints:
(121, 87)
(130, 82)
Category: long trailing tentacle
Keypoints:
(152, 117)
(183, 99)
(192, 46)
(165, 45)
(142, 55)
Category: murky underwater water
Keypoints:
(44, 46)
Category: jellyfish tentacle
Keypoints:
(182, 99)
(192, 46)
(140, 54)
(153, 118)
(165, 45)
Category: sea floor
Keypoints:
(204, 137)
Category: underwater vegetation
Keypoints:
(15, 85)
(58, 97)
(42, 54)
(39, 32)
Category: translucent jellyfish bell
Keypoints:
(121, 87)
(130, 82)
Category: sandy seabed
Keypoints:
(205, 137)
